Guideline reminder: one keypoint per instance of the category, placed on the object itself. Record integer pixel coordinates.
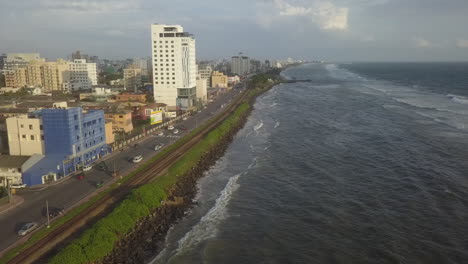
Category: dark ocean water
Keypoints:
(368, 163)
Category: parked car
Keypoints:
(87, 167)
(102, 166)
(80, 176)
(170, 127)
(160, 134)
(27, 228)
(176, 131)
(158, 147)
(137, 159)
(99, 184)
(18, 185)
(183, 128)
(184, 118)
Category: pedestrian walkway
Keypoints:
(15, 201)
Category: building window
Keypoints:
(77, 137)
(76, 127)
(120, 116)
(30, 127)
(78, 148)
(42, 137)
(41, 127)
(155, 78)
(32, 137)
(173, 82)
(75, 117)
(22, 126)
(23, 136)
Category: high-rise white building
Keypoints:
(82, 74)
(174, 67)
(240, 65)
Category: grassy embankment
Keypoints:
(99, 240)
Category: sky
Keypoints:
(331, 30)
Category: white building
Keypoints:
(83, 75)
(174, 68)
(202, 90)
(240, 65)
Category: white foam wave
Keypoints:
(458, 99)
(207, 227)
(258, 126)
(277, 124)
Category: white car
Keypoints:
(176, 131)
(27, 228)
(170, 127)
(87, 167)
(160, 134)
(158, 147)
(184, 118)
(18, 185)
(137, 159)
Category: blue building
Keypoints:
(72, 138)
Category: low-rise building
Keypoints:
(121, 120)
(144, 112)
(25, 136)
(219, 80)
(233, 80)
(110, 138)
(131, 97)
(12, 167)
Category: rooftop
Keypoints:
(7, 161)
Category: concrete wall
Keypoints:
(25, 136)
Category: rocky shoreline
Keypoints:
(147, 238)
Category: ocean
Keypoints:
(367, 163)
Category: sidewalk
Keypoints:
(16, 200)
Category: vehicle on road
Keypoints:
(87, 167)
(99, 184)
(160, 134)
(176, 131)
(102, 166)
(185, 118)
(27, 228)
(137, 159)
(53, 211)
(80, 176)
(183, 128)
(170, 128)
(18, 185)
(158, 147)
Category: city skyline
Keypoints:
(339, 30)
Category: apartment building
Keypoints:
(83, 75)
(240, 65)
(132, 78)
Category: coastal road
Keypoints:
(71, 191)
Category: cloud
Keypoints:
(325, 15)
(462, 43)
(422, 43)
(88, 6)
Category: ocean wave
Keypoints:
(458, 99)
(277, 124)
(207, 227)
(258, 126)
